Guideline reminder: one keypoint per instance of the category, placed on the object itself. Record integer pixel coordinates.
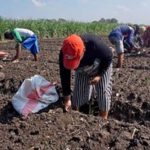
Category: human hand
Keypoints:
(67, 103)
(95, 80)
(136, 48)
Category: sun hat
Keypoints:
(73, 50)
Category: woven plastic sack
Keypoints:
(34, 94)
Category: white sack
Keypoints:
(34, 94)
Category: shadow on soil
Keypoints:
(7, 113)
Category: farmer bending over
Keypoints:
(26, 38)
(146, 37)
(117, 36)
(138, 39)
(92, 61)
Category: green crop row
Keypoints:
(53, 28)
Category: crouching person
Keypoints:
(92, 61)
(25, 38)
(117, 36)
(146, 36)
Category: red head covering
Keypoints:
(73, 50)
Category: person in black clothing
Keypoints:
(92, 61)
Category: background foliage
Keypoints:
(58, 28)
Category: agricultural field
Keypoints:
(52, 129)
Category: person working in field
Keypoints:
(146, 36)
(138, 39)
(25, 38)
(117, 36)
(92, 61)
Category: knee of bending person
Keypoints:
(119, 50)
(119, 47)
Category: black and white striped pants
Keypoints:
(103, 90)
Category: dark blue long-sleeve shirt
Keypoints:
(124, 31)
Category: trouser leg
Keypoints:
(104, 91)
(81, 90)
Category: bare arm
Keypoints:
(120, 60)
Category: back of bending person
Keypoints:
(117, 37)
(92, 61)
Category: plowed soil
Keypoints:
(52, 129)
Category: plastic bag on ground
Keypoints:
(34, 94)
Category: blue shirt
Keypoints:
(124, 31)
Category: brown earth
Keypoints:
(52, 129)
